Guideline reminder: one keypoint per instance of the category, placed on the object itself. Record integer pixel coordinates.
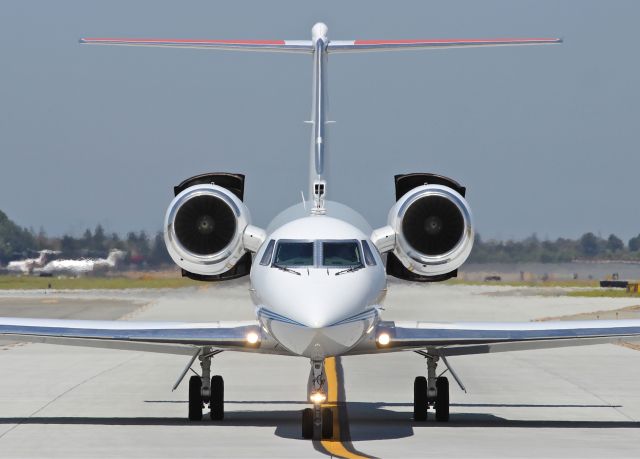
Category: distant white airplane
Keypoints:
(28, 265)
(83, 265)
(318, 279)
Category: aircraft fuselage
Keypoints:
(318, 286)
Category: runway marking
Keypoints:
(51, 301)
(336, 445)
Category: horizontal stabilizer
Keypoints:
(286, 46)
(343, 46)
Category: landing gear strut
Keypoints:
(317, 422)
(432, 391)
(203, 390)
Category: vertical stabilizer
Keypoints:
(318, 162)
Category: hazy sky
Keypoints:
(545, 138)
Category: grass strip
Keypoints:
(94, 283)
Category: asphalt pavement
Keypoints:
(70, 402)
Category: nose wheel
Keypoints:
(317, 419)
(317, 422)
(307, 423)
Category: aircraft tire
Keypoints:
(327, 423)
(420, 405)
(195, 398)
(442, 399)
(216, 404)
(307, 423)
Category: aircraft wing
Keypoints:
(163, 337)
(488, 337)
(347, 46)
(287, 46)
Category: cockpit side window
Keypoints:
(339, 254)
(368, 254)
(266, 256)
(289, 253)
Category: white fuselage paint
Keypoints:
(318, 314)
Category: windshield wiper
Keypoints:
(284, 268)
(350, 270)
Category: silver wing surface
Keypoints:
(163, 337)
(487, 337)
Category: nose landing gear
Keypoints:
(317, 422)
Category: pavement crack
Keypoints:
(583, 388)
(62, 394)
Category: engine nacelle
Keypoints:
(430, 231)
(207, 231)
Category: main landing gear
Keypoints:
(432, 392)
(317, 422)
(203, 390)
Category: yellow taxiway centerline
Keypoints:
(334, 446)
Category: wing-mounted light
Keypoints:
(208, 231)
(429, 231)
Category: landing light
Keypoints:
(317, 398)
(383, 339)
(252, 337)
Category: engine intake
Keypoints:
(433, 224)
(430, 229)
(205, 224)
(203, 230)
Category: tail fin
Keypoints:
(319, 46)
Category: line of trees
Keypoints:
(587, 247)
(145, 250)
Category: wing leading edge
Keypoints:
(481, 338)
(164, 337)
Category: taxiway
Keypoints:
(76, 402)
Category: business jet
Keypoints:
(318, 273)
(77, 267)
(28, 265)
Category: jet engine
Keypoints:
(429, 231)
(207, 228)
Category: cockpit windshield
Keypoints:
(320, 254)
(337, 254)
(290, 253)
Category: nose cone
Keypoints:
(319, 299)
(320, 314)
